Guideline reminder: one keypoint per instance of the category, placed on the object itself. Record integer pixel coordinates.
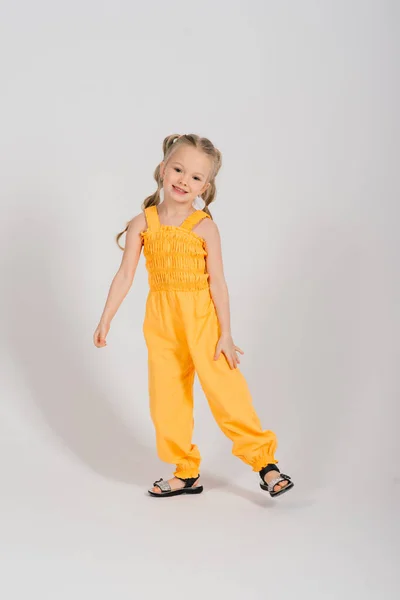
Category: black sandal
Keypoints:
(269, 487)
(165, 488)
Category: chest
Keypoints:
(169, 241)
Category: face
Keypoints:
(185, 175)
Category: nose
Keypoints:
(182, 181)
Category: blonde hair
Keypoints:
(170, 144)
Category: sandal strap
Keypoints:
(163, 485)
(189, 482)
(268, 468)
(273, 482)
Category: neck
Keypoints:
(172, 209)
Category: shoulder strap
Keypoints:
(153, 222)
(193, 219)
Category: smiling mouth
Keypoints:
(179, 189)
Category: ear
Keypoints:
(162, 169)
(205, 188)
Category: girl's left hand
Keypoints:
(228, 348)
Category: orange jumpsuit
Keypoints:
(181, 331)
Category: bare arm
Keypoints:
(219, 293)
(123, 279)
(218, 286)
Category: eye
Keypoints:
(176, 169)
(198, 178)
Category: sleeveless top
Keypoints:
(175, 255)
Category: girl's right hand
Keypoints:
(100, 335)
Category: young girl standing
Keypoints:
(187, 320)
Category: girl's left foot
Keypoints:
(273, 475)
(275, 482)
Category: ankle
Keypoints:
(267, 469)
(188, 481)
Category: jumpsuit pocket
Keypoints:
(203, 304)
(150, 317)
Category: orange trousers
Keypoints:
(181, 331)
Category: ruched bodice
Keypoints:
(175, 256)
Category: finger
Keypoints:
(229, 359)
(239, 350)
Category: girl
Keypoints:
(187, 320)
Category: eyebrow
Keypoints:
(195, 173)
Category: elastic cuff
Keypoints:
(261, 461)
(186, 473)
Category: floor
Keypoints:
(70, 532)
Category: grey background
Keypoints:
(302, 100)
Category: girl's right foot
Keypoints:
(175, 483)
(176, 487)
